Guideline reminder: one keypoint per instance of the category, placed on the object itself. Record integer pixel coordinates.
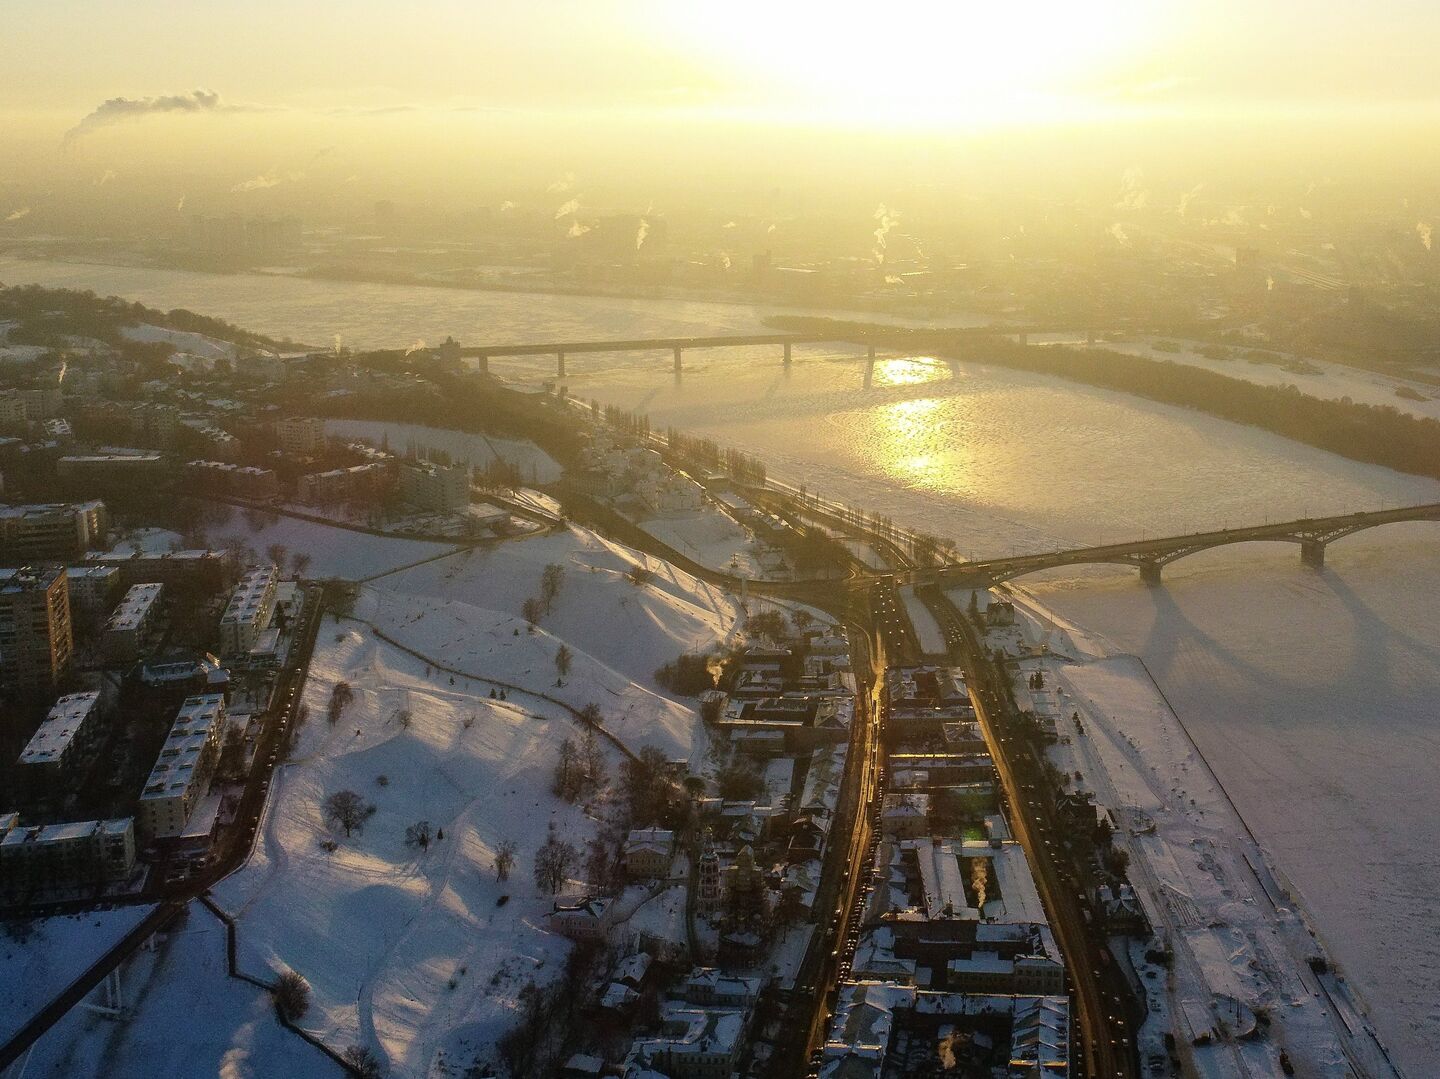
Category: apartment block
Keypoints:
(183, 769)
(53, 531)
(44, 859)
(36, 645)
(131, 623)
(248, 612)
(301, 436)
(437, 488)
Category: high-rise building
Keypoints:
(301, 436)
(36, 645)
(438, 488)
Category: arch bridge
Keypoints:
(1150, 556)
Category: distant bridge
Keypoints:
(677, 346)
(1149, 556)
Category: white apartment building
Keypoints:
(301, 436)
(182, 771)
(68, 728)
(439, 488)
(248, 612)
(131, 622)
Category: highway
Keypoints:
(1099, 993)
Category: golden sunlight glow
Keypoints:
(909, 371)
(923, 63)
(910, 443)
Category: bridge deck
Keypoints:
(896, 335)
(1321, 529)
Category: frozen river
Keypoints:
(1313, 694)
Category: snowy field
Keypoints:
(186, 1019)
(408, 951)
(380, 929)
(710, 538)
(464, 610)
(334, 552)
(35, 970)
(536, 466)
(185, 342)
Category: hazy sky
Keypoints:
(926, 63)
(284, 104)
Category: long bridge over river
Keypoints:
(1149, 556)
(677, 346)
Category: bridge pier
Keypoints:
(678, 366)
(1312, 553)
(1150, 573)
(787, 353)
(559, 365)
(482, 363)
(870, 367)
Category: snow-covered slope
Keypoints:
(380, 929)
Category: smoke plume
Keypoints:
(567, 208)
(258, 183)
(130, 108)
(641, 233)
(16, 215)
(1424, 230)
(576, 229)
(416, 347)
(1187, 196)
(105, 177)
(887, 219)
(1134, 195)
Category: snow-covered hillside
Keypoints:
(406, 950)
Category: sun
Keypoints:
(920, 63)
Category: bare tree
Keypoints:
(403, 717)
(301, 563)
(505, 858)
(340, 696)
(277, 553)
(552, 577)
(592, 763)
(599, 863)
(292, 996)
(553, 862)
(348, 810)
(531, 610)
(563, 659)
(568, 774)
(362, 1061)
(419, 835)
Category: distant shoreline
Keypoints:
(403, 280)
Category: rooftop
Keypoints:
(54, 736)
(134, 607)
